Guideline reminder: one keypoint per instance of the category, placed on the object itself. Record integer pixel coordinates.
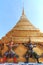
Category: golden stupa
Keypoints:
(20, 34)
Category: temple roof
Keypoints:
(24, 23)
(22, 31)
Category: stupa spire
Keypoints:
(23, 11)
(23, 8)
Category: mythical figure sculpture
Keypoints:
(30, 53)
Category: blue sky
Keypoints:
(11, 10)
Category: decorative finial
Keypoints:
(23, 11)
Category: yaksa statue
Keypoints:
(30, 53)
